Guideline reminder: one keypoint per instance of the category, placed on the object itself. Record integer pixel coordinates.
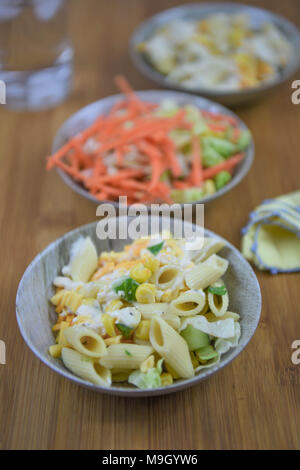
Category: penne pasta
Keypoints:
(171, 346)
(167, 275)
(149, 310)
(210, 247)
(125, 356)
(85, 341)
(206, 273)
(85, 367)
(218, 304)
(188, 303)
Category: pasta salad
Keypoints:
(223, 52)
(148, 315)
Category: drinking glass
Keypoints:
(36, 55)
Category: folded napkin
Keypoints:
(271, 240)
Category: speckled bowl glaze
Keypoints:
(36, 316)
(87, 115)
(202, 10)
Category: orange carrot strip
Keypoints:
(197, 170)
(228, 164)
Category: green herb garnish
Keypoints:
(127, 352)
(221, 290)
(127, 287)
(125, 330)
(154, 249)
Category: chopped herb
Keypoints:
(154, 249)
(127, 352)
(85, 359)
(221, 290)
(127, 288)
(125, 330)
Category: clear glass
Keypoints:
(36, 55)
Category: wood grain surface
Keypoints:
(252, 403)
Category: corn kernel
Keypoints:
(145, 293)
(177, 250)
(171, 371)
(113, 305)
(108, 323)
(140, 273)
(166, 379)
(195, 361)
(150, 263)
(55, 350)
(147, 364)
(142, 331)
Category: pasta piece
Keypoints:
(172, 320)
(125, 356)
(86, 368)
(205, 274)
(188, 303)
(171, 346)
(148, 310)
(218, 303)
(86, 341)
(167, 275)
(211, 317)
(210, 247)
(83, 260)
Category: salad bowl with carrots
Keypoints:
(152, 147)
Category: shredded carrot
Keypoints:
(197, 172)
(227, 165)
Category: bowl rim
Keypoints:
(242, 169)
(150, 72)
(128, 392)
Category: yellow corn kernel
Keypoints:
(142, 331)
(60, 338)
(113, 305)
(178, 251)
(169, 295)
(209, 187)
(145, 293)
(108, 323)
(166, 379)
(195, 361)
(171, 371)
(139, 273)
(147, 364)
(55, 350)
(113, 340)
(150, 263)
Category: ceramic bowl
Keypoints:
(87, 115)
(199, 11)
(36, 316)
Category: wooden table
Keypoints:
(255, 401)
